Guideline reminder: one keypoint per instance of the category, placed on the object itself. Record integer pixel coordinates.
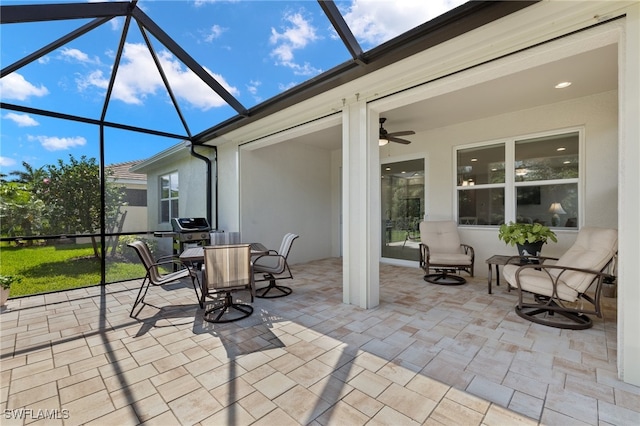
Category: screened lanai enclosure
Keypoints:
(90, 90)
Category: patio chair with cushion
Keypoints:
(155, 276)
(556, 292)
(274, 266)
(442, 251)
(227, 269)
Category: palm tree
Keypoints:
(30, 176)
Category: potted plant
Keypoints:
(528, 237)
(5, 287)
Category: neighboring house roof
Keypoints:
(122, 172)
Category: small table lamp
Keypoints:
(556, 210)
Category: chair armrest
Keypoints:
(170, 260)
(468, 250)
(600, 275)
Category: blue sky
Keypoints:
(255, 49)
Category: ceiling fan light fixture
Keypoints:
(382, 142)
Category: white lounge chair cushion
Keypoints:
(441, 237)
(592, 250)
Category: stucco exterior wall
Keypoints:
(287, 188)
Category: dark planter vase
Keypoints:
(530, 249)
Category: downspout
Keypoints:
(214, 225)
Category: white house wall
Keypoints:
(287, 188)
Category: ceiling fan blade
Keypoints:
(398, 140)
(403, 133)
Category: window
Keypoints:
(521, 180)
(168, 197)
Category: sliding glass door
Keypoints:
(403, 207)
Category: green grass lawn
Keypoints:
(60, 267)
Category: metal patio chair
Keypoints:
(156, 277)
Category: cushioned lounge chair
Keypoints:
(441, 250)
(562, 293)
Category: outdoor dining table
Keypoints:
(196, 254)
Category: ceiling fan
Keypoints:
(385, 137)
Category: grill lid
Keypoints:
(190, 224)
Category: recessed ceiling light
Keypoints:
(474, 159)
(567, 162)
(388, 168)
(562, 148)
(563, 85)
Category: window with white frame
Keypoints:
(521, 180)
(168, 197)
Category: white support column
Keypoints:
(629, 201)
(361, 207)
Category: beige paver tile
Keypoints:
(257, 404)
(89, 407)
(231, 392)
(32, 395)
(408, 402)
(131, 394)
(121, 417)
(150, 407)
(499, 416)
(572, 404)
(526, 404)
(80, 389)
(277, 417)
(130, 377)
(176, 388)
(301, 404)
(363, 402)
(370, 383)
(389, 416)
(310, 373)
(451, 412)
(331, 389)
(194, 406)
(274, 385)
(230, 415)
(28, 382)
(343, 414)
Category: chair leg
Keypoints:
(262, 292)
(549, 314)
(228, 307)
(140, 297)
(444, 278)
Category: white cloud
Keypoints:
(138, 78)
(297, 34)
(54, 143)
(374, 21)
(214, 32)
(14, 86)
(22, 120)
(6, 161)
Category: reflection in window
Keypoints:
(481, 206)
(551, 205)
(553, 157)
(543, 173)
(483, 165)
(168, 197)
